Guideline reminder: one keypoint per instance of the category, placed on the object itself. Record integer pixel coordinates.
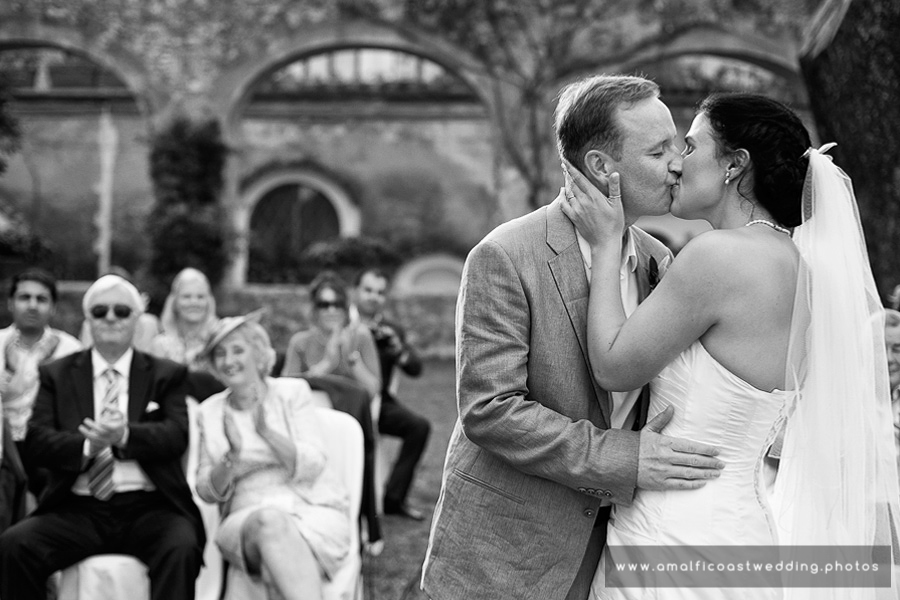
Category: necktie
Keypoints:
(100, 473)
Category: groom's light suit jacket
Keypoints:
(532, 455)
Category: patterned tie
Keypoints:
(100, 473)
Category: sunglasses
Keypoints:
(121, 311)
(324, 304)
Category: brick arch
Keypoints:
(232, 90)
(778, 55)
(26, 33)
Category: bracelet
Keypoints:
(353, 358)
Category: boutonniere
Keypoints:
(654, 274)
(656, 271)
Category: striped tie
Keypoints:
(100, 473)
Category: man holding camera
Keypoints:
(395, 419)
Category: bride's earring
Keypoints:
(727, 176)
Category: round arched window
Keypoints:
(286, 221)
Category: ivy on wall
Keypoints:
(186, 225)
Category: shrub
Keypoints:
(186, 224)
(350, 255)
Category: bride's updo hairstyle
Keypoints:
(776, 140)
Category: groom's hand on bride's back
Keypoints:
(668, 463)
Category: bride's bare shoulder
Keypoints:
(729, 256)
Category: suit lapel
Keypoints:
(567, 268)
(82, 374)
(138, 386)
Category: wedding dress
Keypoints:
(713, 406)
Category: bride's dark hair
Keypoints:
(776, 139)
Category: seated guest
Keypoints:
(285, 514)
(334, 345)
(340, 358)
(396, 420)
(188, 316)
(147, 328)
(110, 425)
(25, 345)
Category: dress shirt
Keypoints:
(17, 406)
(128, 476)
(623, 403)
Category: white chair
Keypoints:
(344, 448)
(321, 399)
(105, 577)
(117, 576)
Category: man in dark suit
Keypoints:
(110, 423)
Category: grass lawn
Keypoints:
(433, 395)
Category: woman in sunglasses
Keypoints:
(339, 358)
(333, 345)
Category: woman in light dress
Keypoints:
(769, 322)
(285, 515)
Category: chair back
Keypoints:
(344, 448)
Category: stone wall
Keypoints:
(52, 182)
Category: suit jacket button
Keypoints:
(589, 512)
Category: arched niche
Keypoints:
(286, 211)
(435, 274)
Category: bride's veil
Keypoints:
(837, 483)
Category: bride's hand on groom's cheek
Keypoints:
(668, 463)
(599, 218)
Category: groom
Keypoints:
(539, 450)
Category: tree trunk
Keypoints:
(851, 64)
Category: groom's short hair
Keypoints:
(584, 118)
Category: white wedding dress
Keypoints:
(713, 406)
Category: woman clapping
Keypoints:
(284, 511)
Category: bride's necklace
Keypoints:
(770, 224)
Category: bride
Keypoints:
(770, 323)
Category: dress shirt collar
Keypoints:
(629, 251)
(122, 366)
(17, 341)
